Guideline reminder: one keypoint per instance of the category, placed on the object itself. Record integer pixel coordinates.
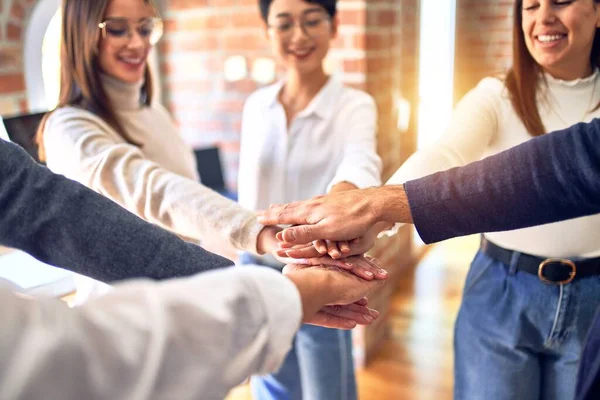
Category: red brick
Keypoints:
(12, 83)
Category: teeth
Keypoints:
(549, 38)
(132, 60)
(302, 53)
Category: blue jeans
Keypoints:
(318, 367)
(517, 337)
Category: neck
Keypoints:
(122, 95)
(300, 89)
(571, 74)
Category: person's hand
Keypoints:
(338, 216)
(321, 288)
(365, 267)
(267, 242)
(318, 248)
(344, 317)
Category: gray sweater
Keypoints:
(63, 223)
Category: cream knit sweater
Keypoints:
(157, 181)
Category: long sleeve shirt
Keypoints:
(190, 338)
(485, 123)
(332, 140)
(537, 182)
(63, 223)
(156, 180)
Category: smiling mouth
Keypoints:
(303, 53)
(133, 61)
(553, 38)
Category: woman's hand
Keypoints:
(365, 267)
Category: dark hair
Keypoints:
(522, 80)
(80, 84)
(329, 5)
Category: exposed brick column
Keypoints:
(13, 20)
(483, 41)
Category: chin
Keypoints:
(131, 78)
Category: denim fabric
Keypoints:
(318, 367)
(517, 337)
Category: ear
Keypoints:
(335, 23)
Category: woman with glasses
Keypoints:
(530, 294)
(110, 134)
(303, 136)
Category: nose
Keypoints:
(136, 40)
(547, 13)
(299, 32)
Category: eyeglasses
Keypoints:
(120, 29)
(313, 25)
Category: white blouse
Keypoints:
(332, 140)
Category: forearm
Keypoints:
(65, 224)
(186, 339)
(547, 179)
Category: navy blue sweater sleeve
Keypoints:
(63, 223)
(547, 179)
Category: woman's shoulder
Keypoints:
(264, 96)
(69, 115)
(491, 85)
(71, 123)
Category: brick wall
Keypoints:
(13, 19)
(483, 41)
(376, 51)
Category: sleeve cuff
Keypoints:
(359, 179)
(283, 308)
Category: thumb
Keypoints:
(301, 234)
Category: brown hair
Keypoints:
(522, 80)
(80, 83)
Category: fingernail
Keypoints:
(292, 235)
(374, 313)
(350, 265)
(368, 318)
(368, 273)
(383, 272)
(279, 236)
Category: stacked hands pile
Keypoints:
(353, 273)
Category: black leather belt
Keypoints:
(556, 271)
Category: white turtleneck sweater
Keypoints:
(157, 180)
(484, 123)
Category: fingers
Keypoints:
(332, 249)
(359, 314)
(363, 302)
(321, 246)
(327, 320)
(344, 247)
(302, 234)
(344, 317)
(366, 268)
(307, 251)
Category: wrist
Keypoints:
(311, 287)
(266, 241)
(392, 205)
